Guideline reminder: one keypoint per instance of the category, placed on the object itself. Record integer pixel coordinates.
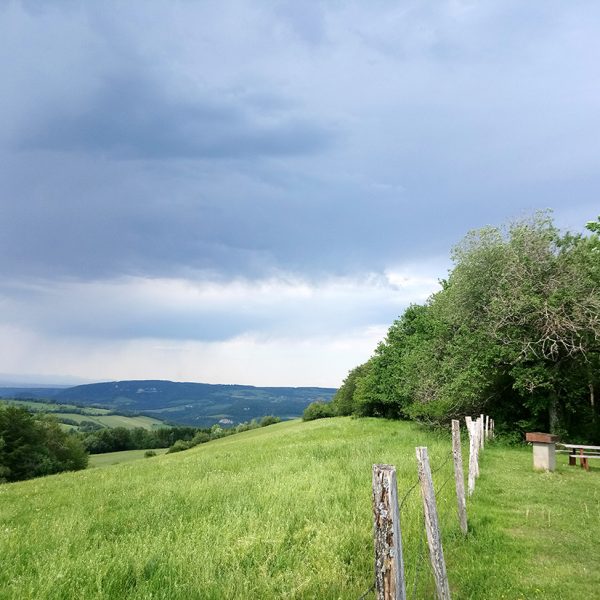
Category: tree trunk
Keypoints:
(553, 414)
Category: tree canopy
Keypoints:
(514, 332)
(32, 446)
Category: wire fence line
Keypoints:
(417, 560)
(421, 576)
(365, 594)
(417, 569)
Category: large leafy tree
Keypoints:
(515, 330)
(343, 403)
(30, 446)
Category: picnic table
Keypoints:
(581, 452)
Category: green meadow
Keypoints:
(100, 416)
(285, 512)
(51, 407)
(116, 420)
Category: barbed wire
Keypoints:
(438, 491)
(416, 483)
(407, 494)
(371, 589)
(446, 460)
(419, 560)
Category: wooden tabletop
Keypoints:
(580, 446)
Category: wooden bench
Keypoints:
(581, 452)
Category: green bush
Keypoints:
(269, 420)
(179, 446)
(149, 453)
(201, 438)
(318, 410)
(216, 432)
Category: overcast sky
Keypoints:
(251, 192)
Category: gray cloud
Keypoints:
(131, 118)
(179, 309)
(251, 140)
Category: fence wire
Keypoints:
(418, 574)
(371, 589)
(417, 568)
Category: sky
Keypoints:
(251, 192)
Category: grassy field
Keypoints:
(99, 416)
(285, 512)
(116, 458)
(50, 407)
(116, 420)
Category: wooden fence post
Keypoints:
(481, 424)
(459, 477)
(477, 444)
(389, 563)
(472, 458)
(432, 527)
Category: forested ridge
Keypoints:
(513, 332)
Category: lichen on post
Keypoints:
(389, 564)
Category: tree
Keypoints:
(343, 401)
(515, 331)
(36, 446)
(540, 312)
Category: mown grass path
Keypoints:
(285, 512)
(108, 459)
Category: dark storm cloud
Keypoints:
(252, 191)
(189, 140)
(132, 118)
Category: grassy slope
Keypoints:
(285, 512)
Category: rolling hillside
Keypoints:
(285, 512)
(197, 404)
(73, 416)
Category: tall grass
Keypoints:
(285, 512)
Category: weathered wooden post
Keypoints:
(481, 425)
(469, 423)
(471, 476)
(472, 456)
(432, 528)
(459, 477)
(487, 427)
(389, 563)
(477, 443)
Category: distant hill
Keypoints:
(199, 404)
(36, 392)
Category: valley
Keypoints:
(195, 404)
